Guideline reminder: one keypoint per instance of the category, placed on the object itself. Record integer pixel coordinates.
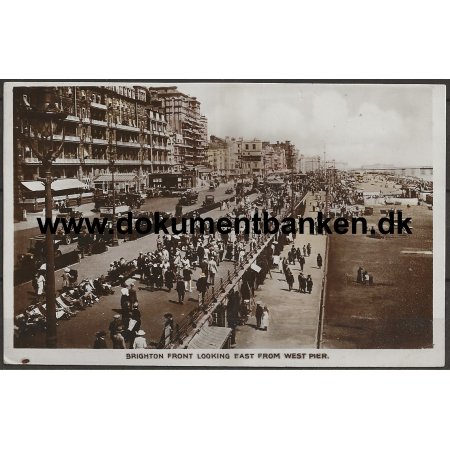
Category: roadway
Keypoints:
(24, 231)
(79, 332)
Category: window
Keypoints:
(254, 146)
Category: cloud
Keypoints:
(358, 124)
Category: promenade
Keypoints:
(293, 316)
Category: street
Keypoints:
(79, 332)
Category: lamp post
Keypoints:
(43, 121)
(112, 157)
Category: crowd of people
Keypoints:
(182, 263)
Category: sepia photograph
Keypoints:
(262, 224)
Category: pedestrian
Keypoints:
(166, 336)
(212, 270)
(132, 294)
(200, 253)
(292, 254)
(359, 276)
(265, 319)
(258, 315)
(304, 251)
(181, 290)
(117, 338)
(187, 278)
(169, 279)
(309, 284)
(289, 278)
(116, 322)
(100, 340)
(319, 260)
(280, 264)
(301, 283)
(301, 260)
(308, 249)
(40, 286)
(66, 279)
(140, 341)
(125, 303)
(202, 286)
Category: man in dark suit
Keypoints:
(258, 314)
(202, 286)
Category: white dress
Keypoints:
(140, 342)
(41, 284)
(265, 320)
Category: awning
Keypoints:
(67, 183)
(34, 186)
(61, 184)
(210, 338)
(118, 177)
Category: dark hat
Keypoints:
(101, 333)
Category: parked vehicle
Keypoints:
(212, 186)
(36, 254)
(68, 213)
(209, 200)
(190, 197)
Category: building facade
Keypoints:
(189, 128)
(104, 124)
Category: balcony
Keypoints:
(99, 141)
(58, 137)
(128, 144)
(100, 123)
(67, 161)
(70, 118)
(95, 161)
(129, 162)
(98, 105)
(128, 128)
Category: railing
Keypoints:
(128, 161)
(95, 161)
(58, 137)
(99, 141)
(98, 105)
(67, 161)
(99, 122)
(128, 128)
(128, 144)
(184, 328)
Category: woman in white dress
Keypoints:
(265, 319)
(139, 340)
(40, 287)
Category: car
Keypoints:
(209, 200)
(229, 191)
(212, 186)
(190, 197)
(68, 213)
(36, 254)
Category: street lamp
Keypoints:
(112, 157)
(43, 121)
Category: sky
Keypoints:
(355, 124)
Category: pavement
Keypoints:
(293, 316)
